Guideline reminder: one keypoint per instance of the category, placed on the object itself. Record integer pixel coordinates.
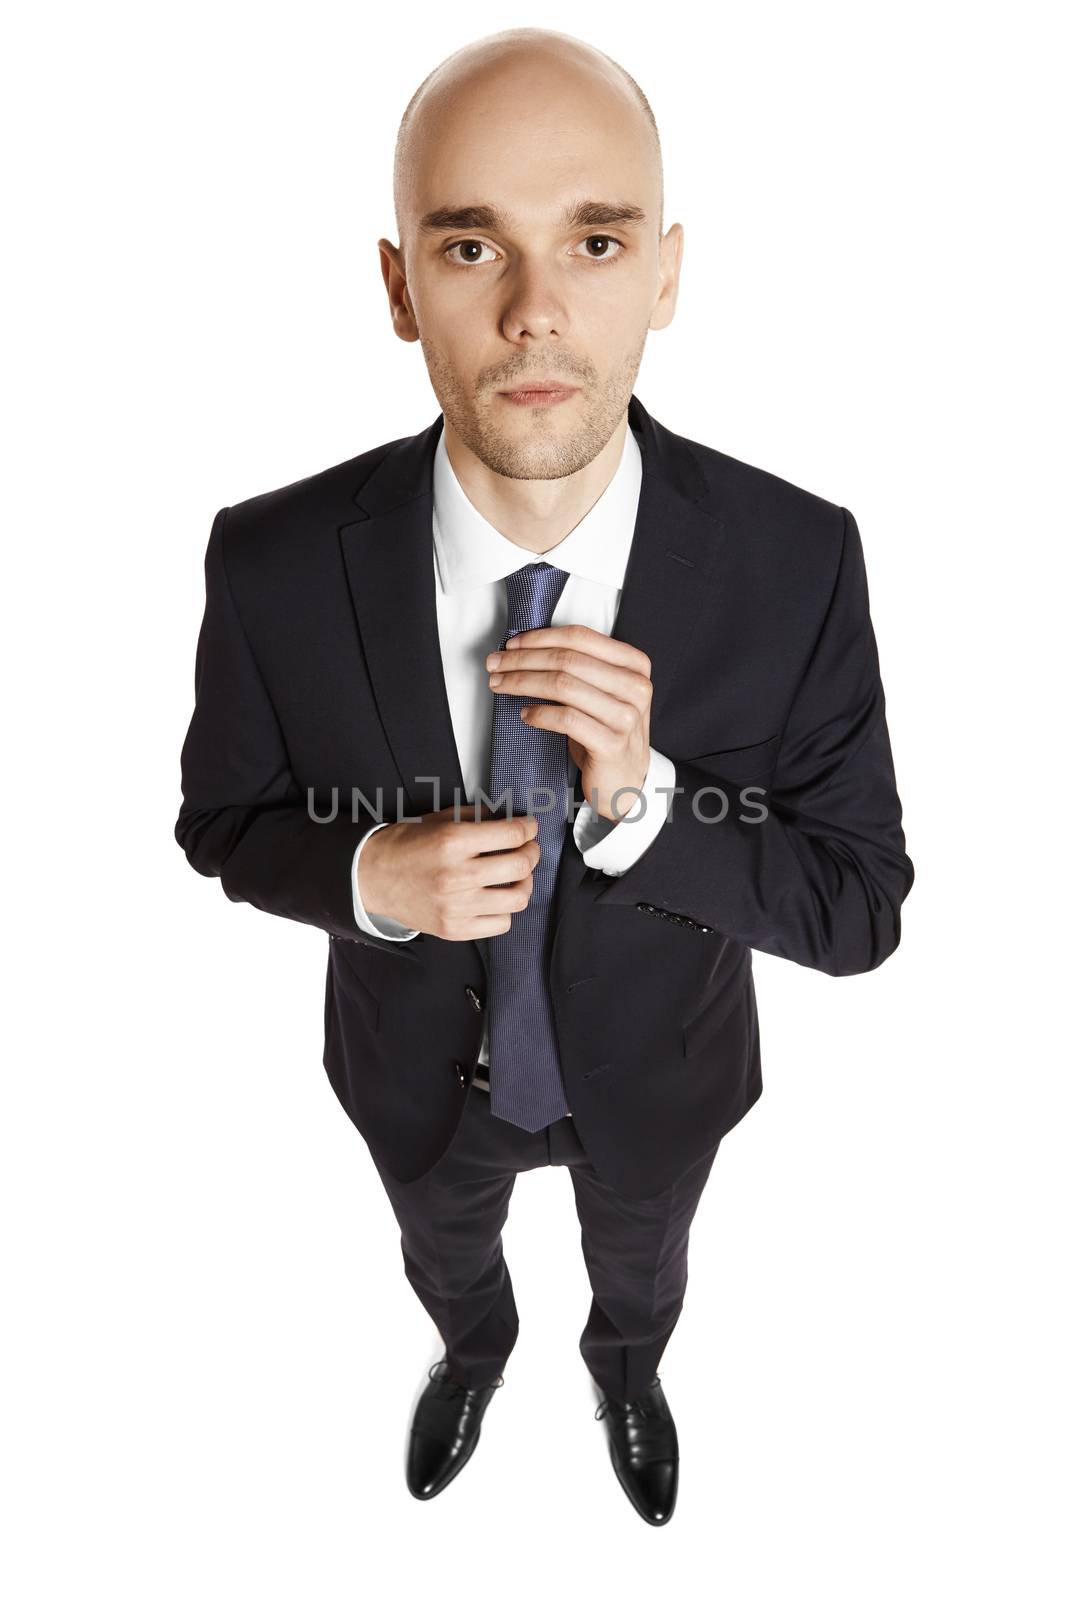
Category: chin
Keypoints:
(559, 457)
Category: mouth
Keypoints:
(533, 394)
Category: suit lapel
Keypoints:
(389, 559)
(387, 546)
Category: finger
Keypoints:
(578, 725)
(590, 641)
(633, 687)
(496, 833)
(567, 690)
(498, 868)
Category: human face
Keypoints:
(532, 255)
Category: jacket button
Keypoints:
(473, 996)
(461, 1073)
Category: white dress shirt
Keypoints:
(471, 561)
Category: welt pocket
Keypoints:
(741, 763)
(355, 982)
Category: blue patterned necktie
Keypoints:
(525, 1081)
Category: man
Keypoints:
(655, 661)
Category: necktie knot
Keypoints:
(533, 594)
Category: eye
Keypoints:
(461, 244)
(467, 260)
(603, 238)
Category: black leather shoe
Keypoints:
(444, 1430)
(643, 1445)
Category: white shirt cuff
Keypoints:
(612, 846)
(383, 927)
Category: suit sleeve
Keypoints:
(812, 865)
(243, 818)
(613, 845)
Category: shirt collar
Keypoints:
(471, 552)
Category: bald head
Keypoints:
(529, 208)
(539, 63)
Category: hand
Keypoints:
(602, 694)
(456, 879)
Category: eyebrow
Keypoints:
(489, 219)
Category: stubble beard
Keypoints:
(555, 455)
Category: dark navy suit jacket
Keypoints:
(749, 596)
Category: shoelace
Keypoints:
(623, 1408)
(452, 1386)
(657, 1433)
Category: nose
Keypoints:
(535, 307)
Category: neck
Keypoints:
(535, 513)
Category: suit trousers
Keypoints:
(636, 1251)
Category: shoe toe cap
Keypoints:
(431, 1464)
(654, 1489)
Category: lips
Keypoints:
(538, 397)
(541, 388)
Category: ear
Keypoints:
(400, 309)
(670, 268)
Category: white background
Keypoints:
(212, 1351)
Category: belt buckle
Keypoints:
(480, 1077)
